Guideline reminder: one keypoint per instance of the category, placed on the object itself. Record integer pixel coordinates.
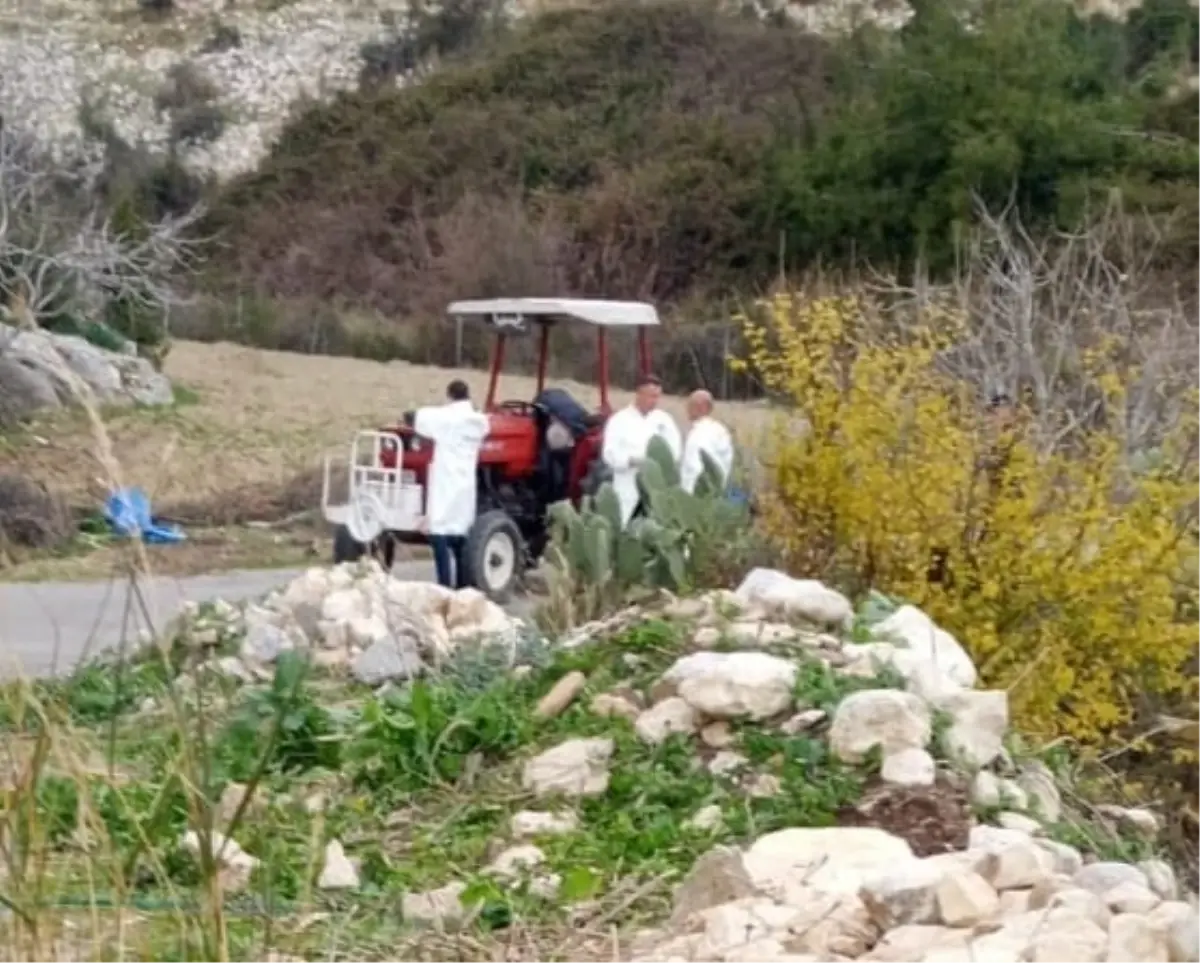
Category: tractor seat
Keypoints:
(564, 408)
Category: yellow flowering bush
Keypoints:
(1056, 567)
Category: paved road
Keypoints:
(48, 627)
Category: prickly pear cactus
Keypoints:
(608, 505)
(606, 560)
(630, 559)
(710, 484)
(658, 452)
(598, 549)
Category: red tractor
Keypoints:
(538, 451)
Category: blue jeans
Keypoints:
(449, 553)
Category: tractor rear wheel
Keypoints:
(494, 555)
(346, 548)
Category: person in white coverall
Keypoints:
(457, 431)
(706, 435)
(626, 436)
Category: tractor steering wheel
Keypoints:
(517, 407)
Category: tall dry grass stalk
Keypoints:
(49, 747)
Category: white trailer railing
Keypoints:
(379, 499)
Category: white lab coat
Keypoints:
(626, 436)
(457, 431)
(709, 436)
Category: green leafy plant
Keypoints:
(425, 734)
(300, 733)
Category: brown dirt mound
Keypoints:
(256, 502)
(934, 819)
(31, 516)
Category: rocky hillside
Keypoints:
(261, 57)
(761, 774)
(116, 56)
(378, 161)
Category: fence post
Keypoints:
(725, 366)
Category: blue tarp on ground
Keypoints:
(128, 513)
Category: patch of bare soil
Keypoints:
(932, 819)
(245, 443)
(206, 550)
(248, 440)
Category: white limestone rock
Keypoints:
(577, 767)
(729, 685)
(892, 720)
(775, 591)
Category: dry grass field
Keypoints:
(246, 440)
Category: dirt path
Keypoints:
(48, 627)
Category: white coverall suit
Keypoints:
(626, 436)
(709, 436)
(457, 431)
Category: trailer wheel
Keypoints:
(345, 547)
(494, 555)
(384, 549)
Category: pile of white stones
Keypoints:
(861, 893)
(354, 617)
(799, 894)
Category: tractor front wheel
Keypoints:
(494, 555)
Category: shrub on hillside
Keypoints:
(448, 28)
(639, 128)
(186, 85)
(224, 37)
(198, 124)
(677, 150)
(1026, 104)
(189, 96)
(156, 8)
(1051, 547)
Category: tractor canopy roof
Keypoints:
(515, 312)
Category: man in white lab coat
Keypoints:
(706, 435)
(626, 436)
(457, 431)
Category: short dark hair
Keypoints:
(649, 380)
(457, 390)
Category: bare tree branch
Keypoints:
(60, 254)
(1048, 321)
